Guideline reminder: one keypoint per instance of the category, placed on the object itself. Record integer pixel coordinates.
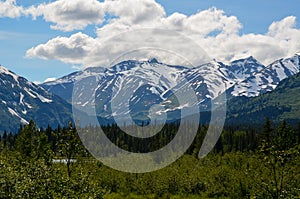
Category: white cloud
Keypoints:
(72, 49)
(204, 22)
(77, 14)
(70, 15)
(281, 40)
(9, 9)
(279, 27)
(213, 30)
(286, 33)
(135, 12)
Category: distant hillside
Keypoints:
(281, 104)
(21, 101)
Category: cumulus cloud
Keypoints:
(9, 9)
(286, 33)
(69, 15)
(135, 12)
(72, 49)
(66, 15)
(77, 14)
(281, 40)
(214, 31)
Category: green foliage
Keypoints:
(69, 146)
(279, 154)
(32, 144)
(238, 167)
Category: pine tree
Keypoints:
(33, 144)
(4, 139)
(26, 140)
(69, 145)
(285, 137)
(298, 131)
(267, 132)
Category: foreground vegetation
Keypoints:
(262, 163)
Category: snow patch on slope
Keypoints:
(267, 79)
(8, 72)
(14, 113)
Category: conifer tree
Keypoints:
(267, 132)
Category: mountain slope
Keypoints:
(134, 86)
(145, 83)
(158, 79)
(279, 104)
(219, 77)
(268, 78)
(21, 101)
(63, 87)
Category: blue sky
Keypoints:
(18, 34)
(255, 15)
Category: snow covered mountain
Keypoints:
(268, 78)
(134, 86)
(218, 77)
(21, 101)
(277, 105)
(143, 83)
(63, 86)
(146, 83)
(150, 82)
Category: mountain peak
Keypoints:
(153, 61)
(251, 58)
(6, 71)
(247, 59)
(20, 101)
(3, 69)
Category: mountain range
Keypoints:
(283, 103)
(149, 82)
(244, 77)
(22, 100)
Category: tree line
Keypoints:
(261, 162)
